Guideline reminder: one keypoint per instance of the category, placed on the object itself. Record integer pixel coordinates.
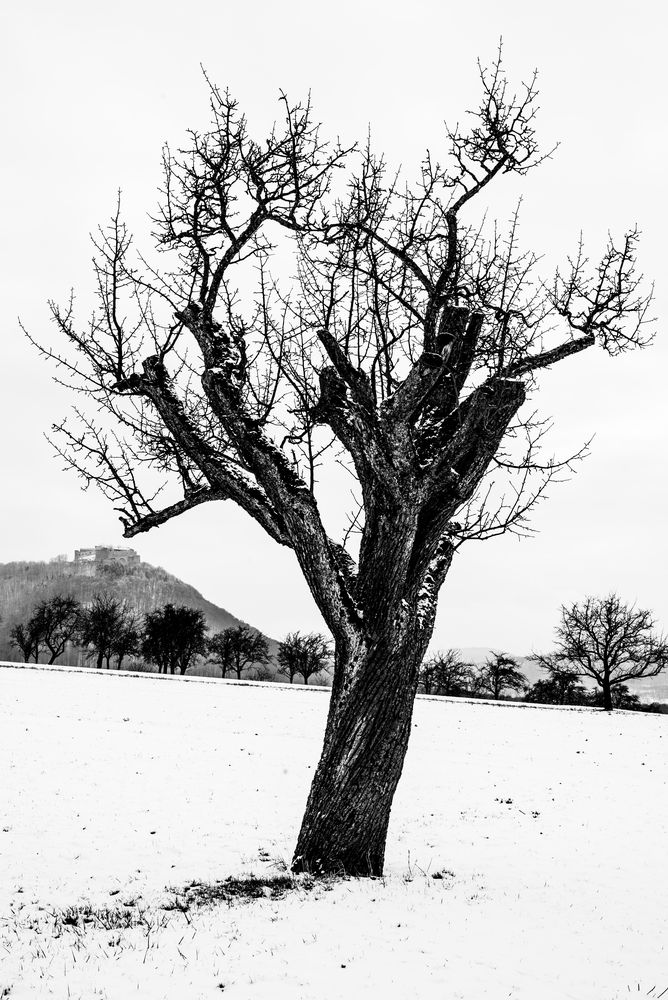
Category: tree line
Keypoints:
(599, 639)
(172, 638)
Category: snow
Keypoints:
(549, 827)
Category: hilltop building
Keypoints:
(105, 555)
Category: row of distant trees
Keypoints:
(172, 638)
(600, 639)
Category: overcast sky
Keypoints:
(91, 91)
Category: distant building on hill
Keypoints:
(104, 555)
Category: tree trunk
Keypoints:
(348, 811)
(100, 658)
(607, 695)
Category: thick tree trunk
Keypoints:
(607, 695)
(100, 658)
(344, 828)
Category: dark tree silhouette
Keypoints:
(306, 655)
(498, 674)
(55, 622)
(290, 651)
(128, 639)
(398, 336)
(560, 687)
(173, 637)
(25, 638)
(100, 624)
(446, 674)
(611, 642)
(237, 648)
(219, 650)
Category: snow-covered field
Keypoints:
(550, 828)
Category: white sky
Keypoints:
(91, 91)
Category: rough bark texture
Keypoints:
(344, 828)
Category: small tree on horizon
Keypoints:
(237, 648)
(446, 674)
(173, 637)
(610, 642)
(25, 637)
(306, 655)
(290, 651)
(128, 639)
(560, 687)
(498, 674)
(100, 623)
(55, 623)
(219, 651)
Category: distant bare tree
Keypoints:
(611, 642)
(561, 686)
(306, 655)
(99, 624)
(290, 652)
(237, 648)
(128, 638)
(398, 336)
(25, 638)
(498, 674)
(219, 651)
(54, 623)
(173, 637)
(446, 674)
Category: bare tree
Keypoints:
(306, 655)
(394, 335)
(128, 638)
(26, 638)
(611, 642)
(290, 652)
(498, 674)
(560, 687)
(219, 650)
(55, 622)
(446, 674)
(99, 625)
(237, 648)
(173, 637)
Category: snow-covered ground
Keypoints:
(549, 826)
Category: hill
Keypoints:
(145, 587)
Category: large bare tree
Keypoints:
(610, 642)
(306, 304)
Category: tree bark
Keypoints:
(607, 695)
(344, 828)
